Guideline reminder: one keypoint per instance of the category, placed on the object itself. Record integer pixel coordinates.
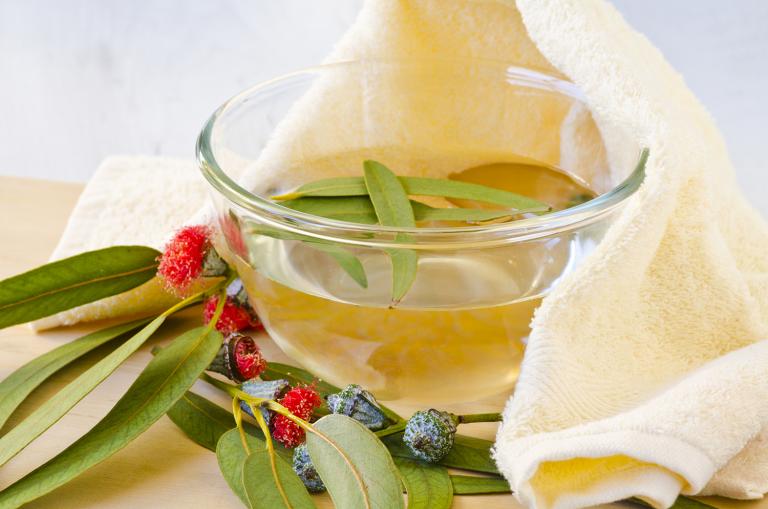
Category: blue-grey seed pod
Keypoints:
(302, 465)
(429, 434)
(361, 405)
(272, 389)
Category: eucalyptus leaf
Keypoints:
(261, 490)
(393, 208)
(205, 422)
(201, 420)
(71, 282)
(353, 209)
(15, 388)
(468, 453)
(165, 379)
(366, 477)
(473, 485)
(54, 409)
(231, 457)
(346, 260)
(390, 201)
(428, 486)
(420, 186)
(359, 209)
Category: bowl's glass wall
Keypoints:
(473, 297)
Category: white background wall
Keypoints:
(82, 79)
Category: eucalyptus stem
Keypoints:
(471, 418)
(270, 451)
(391, 430)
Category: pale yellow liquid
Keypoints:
(418, 351)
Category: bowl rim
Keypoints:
(284, 218)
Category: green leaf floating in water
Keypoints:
(474, 485)
(18, 385)
(367, 478)
(359, 209)
(250, 476)
(74, 281)
(165, 379)
(420, 186)
(393, 208)
(428, 486)
(346, 260)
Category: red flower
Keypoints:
(301, 401)
(239, 358)
(234, 317)
(287, 432)
(248, 359)
(188, 256)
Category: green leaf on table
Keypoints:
(250, 476)
(393, 208)
(18, 385)
(71, 282)
(231, 456)
(204, 422)
(54, 408)
(428, 486)
(346, 260)
(365, 476)
(165, 379)
(468, 453)
(420, 186)
(201, 420)
(261, 489)
(473, 485)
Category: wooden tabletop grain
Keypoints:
(162, 468)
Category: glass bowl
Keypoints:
(460, 331)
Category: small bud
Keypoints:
(237, 313)
(429, 434)
(239, 358)
(361, 405)
(302, 465)
(272, 389)
(188, 256)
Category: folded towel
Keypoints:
(644, 373)
(129, 200)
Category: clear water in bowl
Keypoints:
(460, 332)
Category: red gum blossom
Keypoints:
(182, 260)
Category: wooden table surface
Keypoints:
(162, 468)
